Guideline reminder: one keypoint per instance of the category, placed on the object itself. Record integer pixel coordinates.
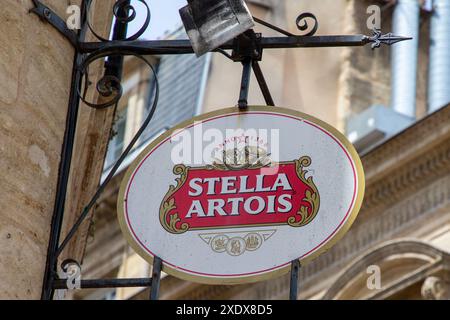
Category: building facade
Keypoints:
(36, 64)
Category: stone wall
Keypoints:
(35, 78)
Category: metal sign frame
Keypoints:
(246, 49)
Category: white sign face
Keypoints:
(234, 196)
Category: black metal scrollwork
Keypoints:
(302, 24)
(119, 7)
(115, 168)
(109, 86)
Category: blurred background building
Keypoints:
(392, 103)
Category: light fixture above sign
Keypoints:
(211, 23)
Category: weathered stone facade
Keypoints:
(36, 65)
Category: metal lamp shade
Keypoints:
(211, 23)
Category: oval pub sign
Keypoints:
(234, 196)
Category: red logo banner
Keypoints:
(215, 197)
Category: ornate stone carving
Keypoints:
(413, 176)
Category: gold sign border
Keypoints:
(260, 276)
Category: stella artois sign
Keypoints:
(234, 196)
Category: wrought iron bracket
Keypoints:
(248, 50)
(48, 15)
(61, 284)
(152, 47)
(247, 46)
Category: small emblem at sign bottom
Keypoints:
(237, 243)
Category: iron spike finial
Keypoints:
(388, 39)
